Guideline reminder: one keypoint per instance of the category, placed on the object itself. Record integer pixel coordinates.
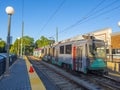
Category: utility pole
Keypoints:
(22, 38)
(22, 26)
(57, 34)
(18, 39)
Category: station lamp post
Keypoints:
(9, 11)
(119, 23)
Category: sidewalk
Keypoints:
(18, 78)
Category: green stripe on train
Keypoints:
(53, 61)
(98, 64)
(59, 63)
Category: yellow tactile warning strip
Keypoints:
(36, 83)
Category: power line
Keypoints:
(88, 14)
(108, 11)
(81, 20)
(75, 24)
(98, 11)
(51, 17)
(99, 4)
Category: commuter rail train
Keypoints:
(86, 55)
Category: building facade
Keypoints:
(115, 41)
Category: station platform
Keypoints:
(21, 77)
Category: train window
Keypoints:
(107, 51)
(61, 49)
(68, 49)
(118, 51)
(113, 51)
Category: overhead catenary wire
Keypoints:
(93, 14)
(91, 11)
(51, 17)
(96, 12)
(108, 11)
(103, 8)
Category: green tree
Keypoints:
(2, 46)
(15, 48)
(27, 45)
(38, 44)
(43, 41)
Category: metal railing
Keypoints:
(12, 59)
(114, 62)
(113, 58)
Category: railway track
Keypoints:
(105, 81)
(98, 82)
(59, 80)
(64, 80)
(109, 82)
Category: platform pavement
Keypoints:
(18, 78)
(36, 82)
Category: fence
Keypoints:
(113, 58)
(113, 62)
(2, 65)
(12, 59)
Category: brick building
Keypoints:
(115, 42)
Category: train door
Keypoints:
(80, 58)
(56, 57)
(52, 52)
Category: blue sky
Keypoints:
(41, 17)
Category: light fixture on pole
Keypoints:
(9, 11)
(119, 23)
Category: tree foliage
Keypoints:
(43, 41)
(2, 46)
(27, 45)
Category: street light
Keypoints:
(9, 10)
(119, 23)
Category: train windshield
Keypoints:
(97, 50)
